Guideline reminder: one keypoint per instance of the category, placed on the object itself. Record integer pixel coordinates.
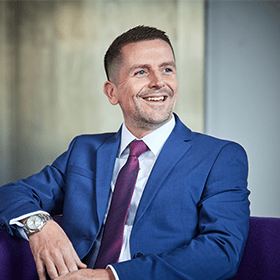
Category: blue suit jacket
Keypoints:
(192, 221)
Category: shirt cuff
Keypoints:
(19, 226)
(114, 271)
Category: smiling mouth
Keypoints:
(155, 98)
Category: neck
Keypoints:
(139, 134)
(141, 131)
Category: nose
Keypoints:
(156, 81)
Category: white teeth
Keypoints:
(156, 98)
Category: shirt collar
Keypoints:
(154, 140)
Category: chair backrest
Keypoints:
(16, 259)
(261, 258)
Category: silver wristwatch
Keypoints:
(35, 223)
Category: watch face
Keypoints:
(34, 222)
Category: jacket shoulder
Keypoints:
(96, 139)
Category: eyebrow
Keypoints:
(147, 66)
(170, 63)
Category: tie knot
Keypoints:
(137, 147)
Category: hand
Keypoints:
(93, 274)
(53, 251)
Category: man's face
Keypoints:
(147, 87)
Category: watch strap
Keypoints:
(43, 217)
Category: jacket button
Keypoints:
(138, 255)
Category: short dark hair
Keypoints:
(139, 33)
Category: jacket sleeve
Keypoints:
(223, 223)
(42, 191)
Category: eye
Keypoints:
(167, 70)
(141, 72)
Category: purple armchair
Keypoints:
(16, 259)
(261, 258)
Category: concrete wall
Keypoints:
(51, 71)
(51, 78)
(243, 90)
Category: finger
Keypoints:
(41, 270)
(59, 263)
(73, 262)
(70, 262)
(42, 274)
(79, 263)
(51, 269)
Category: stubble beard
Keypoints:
(147, 122)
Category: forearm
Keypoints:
(206, 257)
(41, 192)
(111, 274)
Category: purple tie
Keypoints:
(113, 231)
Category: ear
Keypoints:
(111, 92)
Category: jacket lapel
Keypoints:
(106, 156)
(173, 150)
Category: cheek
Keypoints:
(128, 93)
(174, 87)
(128, 103)
(134, 86)
(171, 82)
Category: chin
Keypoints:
(154, 123)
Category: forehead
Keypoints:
(147, 52)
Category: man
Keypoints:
(188, 215)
